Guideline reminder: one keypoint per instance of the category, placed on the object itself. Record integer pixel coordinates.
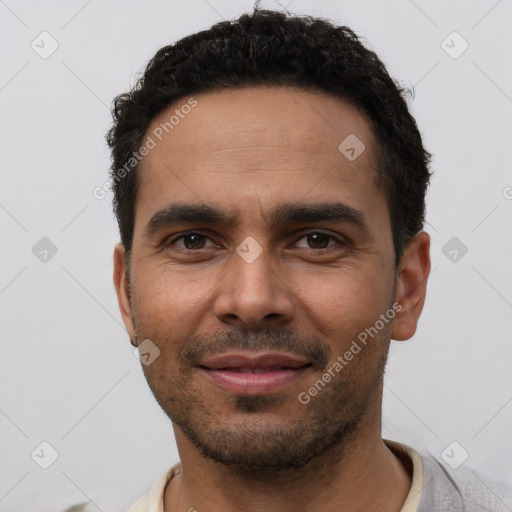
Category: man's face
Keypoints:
(251, 313)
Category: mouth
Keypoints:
(249, 373)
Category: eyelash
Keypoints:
(304, 235)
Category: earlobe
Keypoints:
(411, 286)
(121, 287)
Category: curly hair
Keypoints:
(275, 48)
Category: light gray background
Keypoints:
(67, 372)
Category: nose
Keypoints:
(254, 294)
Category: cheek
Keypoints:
(168, 303)
(169, 291)
(343, 303)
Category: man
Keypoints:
(270, 189)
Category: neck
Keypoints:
(362, 474)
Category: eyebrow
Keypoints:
(290, 213)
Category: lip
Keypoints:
(249, 373)
(254, 360)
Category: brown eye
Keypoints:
(319, 240)
(191, 240)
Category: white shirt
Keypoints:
(434, 488)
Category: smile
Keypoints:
(246, 373)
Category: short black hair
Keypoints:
(276, 48)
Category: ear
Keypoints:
(122, 288)
(411, 286)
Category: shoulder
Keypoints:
(447, 489)
(153, 500)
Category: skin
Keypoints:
(247, 151)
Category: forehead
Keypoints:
(258, 145)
